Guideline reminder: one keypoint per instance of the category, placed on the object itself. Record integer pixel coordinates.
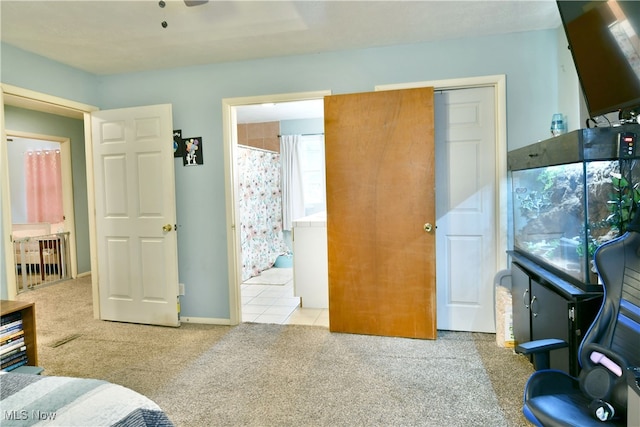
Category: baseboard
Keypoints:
(85, 274)
(205, 320)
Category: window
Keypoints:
(313, 180)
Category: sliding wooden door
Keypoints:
(381, 213)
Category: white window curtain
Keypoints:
(292, 191)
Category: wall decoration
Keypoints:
(178, 150)
(192, 151)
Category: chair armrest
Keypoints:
(540, 350)
(538, 346)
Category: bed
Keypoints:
(27, 399)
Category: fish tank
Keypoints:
(572, 193)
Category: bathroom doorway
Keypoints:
(253, 127)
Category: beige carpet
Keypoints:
(275, 375)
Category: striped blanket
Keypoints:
(27, 400)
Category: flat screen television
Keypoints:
(604, 41)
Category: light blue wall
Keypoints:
(571, 94)
(529, 60)
(25, 70)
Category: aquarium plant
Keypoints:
(623, 204)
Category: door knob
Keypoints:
(428, 227)
(167, 227)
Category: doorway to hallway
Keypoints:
(41, 209)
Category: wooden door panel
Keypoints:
(380, 193)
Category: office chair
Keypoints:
(609, 354)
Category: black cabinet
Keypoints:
(521, 301)
(551, 318)
(546, 306)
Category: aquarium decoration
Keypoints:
(570, 195)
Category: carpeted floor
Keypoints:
(283, 375)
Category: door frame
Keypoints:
(37, 101)
(67, 188)
(498, 83)
(230, 138)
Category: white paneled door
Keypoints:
(465, 124)
(135, 215)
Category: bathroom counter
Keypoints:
(316, 220)
(310, 265)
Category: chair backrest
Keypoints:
(617, 326)
(612, 343)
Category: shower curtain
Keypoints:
(260, 205)
(43, 182)
(292, 190)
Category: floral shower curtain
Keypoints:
(260, 204)
(43, 181)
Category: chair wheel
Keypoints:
(602, 410)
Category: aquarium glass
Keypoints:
(563, 213)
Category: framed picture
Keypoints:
(178, 146)
(192, 151)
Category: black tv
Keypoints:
(604, 41)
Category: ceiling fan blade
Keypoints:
(190, 3)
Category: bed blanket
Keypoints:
(27, 400)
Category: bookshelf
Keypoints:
(27, 311)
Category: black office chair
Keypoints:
(609, 353)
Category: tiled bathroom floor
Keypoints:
(265, 302)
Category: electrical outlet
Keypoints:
(181, 289)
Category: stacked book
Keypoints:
(13, 351)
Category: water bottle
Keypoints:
(557, 125)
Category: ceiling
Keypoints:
(111, 37)
(106, 37)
